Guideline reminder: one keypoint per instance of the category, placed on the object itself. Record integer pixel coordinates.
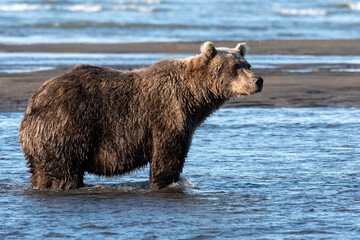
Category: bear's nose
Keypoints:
(259, 83)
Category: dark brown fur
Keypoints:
(108, 122)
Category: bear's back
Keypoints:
(85, 86)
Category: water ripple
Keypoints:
(273, 173)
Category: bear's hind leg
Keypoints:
(65, 184)
(54, 177)
(39, 178)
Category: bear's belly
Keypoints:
(112, 161)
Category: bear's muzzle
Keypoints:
(259, 84)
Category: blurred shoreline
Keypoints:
(281, 89)
(296, 47)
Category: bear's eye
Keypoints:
(236, 67)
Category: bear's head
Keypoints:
(227, 71)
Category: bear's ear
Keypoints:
(208, 49)
(242, 48)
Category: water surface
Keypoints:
(108, 21)
(36, 61)
(252, 173)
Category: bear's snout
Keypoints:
(259, 84)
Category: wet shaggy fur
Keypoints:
(108, 122)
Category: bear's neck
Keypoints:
(190, 85)
(201, 95)
(203, 109)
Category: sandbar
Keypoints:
(281, 89)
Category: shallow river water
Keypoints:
(112, 21)
(251, 173)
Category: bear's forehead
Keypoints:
(229, 51)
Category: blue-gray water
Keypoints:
(49, 21)
(282, 173)
(28, 62)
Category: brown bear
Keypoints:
(108, 122)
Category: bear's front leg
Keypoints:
(168, 161)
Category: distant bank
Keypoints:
(297, 47)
